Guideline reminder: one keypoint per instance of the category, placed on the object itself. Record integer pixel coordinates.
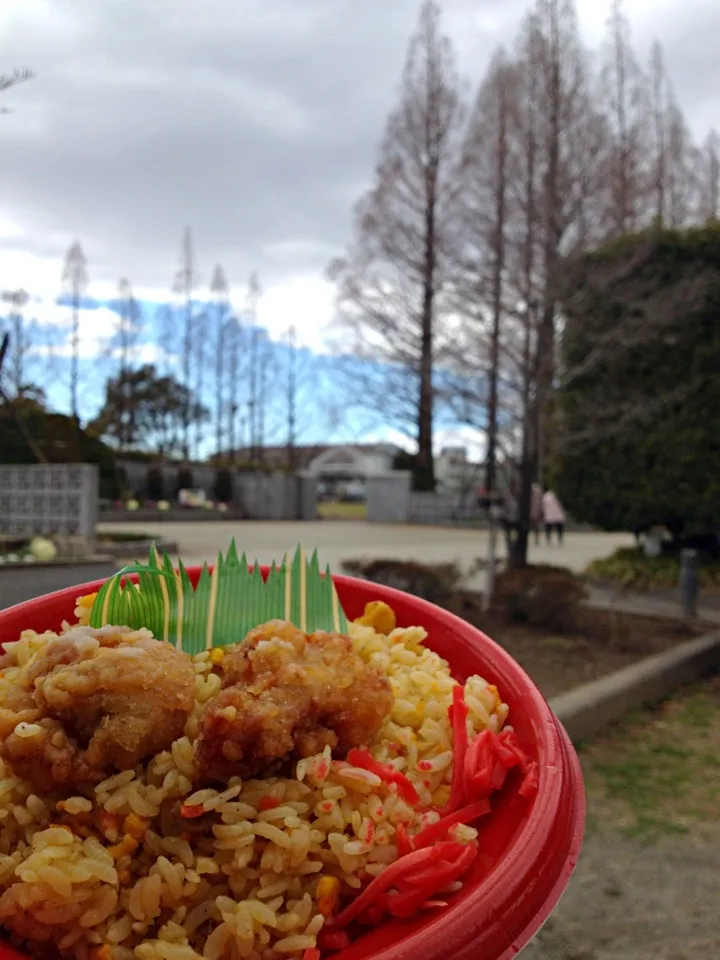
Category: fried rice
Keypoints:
(104, 874)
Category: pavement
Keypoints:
(339, 540)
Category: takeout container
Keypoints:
(528, 848)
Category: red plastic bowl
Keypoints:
(528, 848)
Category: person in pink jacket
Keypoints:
(553, 515)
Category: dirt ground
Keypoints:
(646, 884)
(606, 641)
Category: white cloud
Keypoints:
(305, 302)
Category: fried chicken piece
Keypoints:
(287, 694)
(102, 700)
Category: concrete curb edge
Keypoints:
(586, 709)
(137, 549)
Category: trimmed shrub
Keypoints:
(154, 484)
(437, 583)
(223, 490)
(184, 479)
(542, 596)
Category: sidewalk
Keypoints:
(605, 598)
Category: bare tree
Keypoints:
(233, 339)
(488, 167)
(19, 343)
(126, 339)
(682, 171)
(659, 95)
(393, 278)
(75, 281)
(220, 295)
(255, 363)
(557, 193)
(12, 79)
(709, 160)
(625, 94)
(292, 399)
(184, 285)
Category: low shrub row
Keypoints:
(629, 567)
(542, 596)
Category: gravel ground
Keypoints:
(629, 901)
(646, 885)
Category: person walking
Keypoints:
(554, 517)
(536, 511)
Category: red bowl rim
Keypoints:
(560, 781)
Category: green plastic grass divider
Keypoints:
(226, 603)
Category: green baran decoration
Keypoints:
(224, 605)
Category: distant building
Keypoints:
(357, 460)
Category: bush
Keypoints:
(630, 568)
(155, 484)
(640, 420)
(61, 441)
(437, 583)
(223, 491)
(540, 596)
(184, 479)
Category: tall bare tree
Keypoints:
(19, 342)
(393, 278)
(624, 89)
(220, 296)
(255, 365)
(126, 339)
(292, 399)
(184, 285)
(488, 168)
(710, 177)
(558, 206)
(659, 95)
(234, 338)
(75, 281)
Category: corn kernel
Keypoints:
(126, 846)
(379, 616)
(87, 601)
(216, 655)
(136, 826)
(328, 895)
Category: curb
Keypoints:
(137, 549)
(586, 709)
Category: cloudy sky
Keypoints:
(255, 121)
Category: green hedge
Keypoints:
(639, 414)
(61, 441)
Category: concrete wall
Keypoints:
(388, 497)
(277, 496)
(57, 498)
(390, 500)
(261, 496)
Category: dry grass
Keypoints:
(330, 510)
(658, 771)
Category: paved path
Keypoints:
(338, 540)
